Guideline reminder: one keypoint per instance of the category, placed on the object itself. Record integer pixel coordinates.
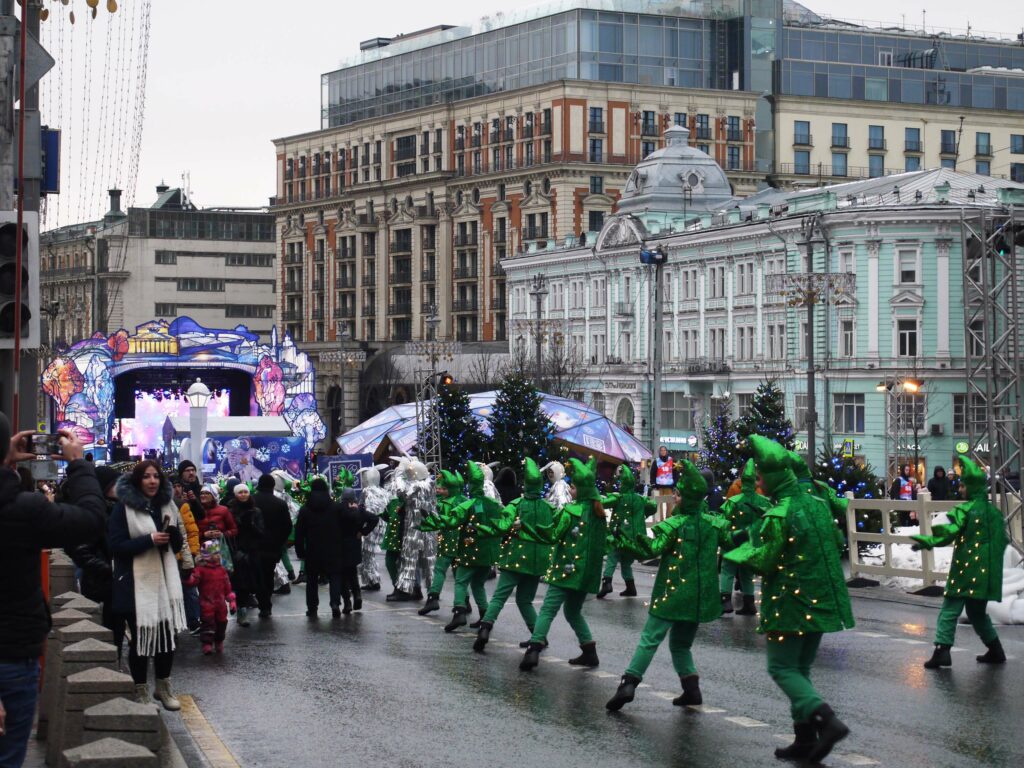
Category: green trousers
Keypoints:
(392, 561)
(615, 557)
(790, 658)
(441, 566)
(525, 587)
(680, 640)
(287, 561)
(471, 578)
(730, 571)
(570, 601)
(952, 607)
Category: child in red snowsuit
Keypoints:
(214, 595)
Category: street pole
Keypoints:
(812, 414)
(539, 291)
(657, 358)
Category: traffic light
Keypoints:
(29, 279)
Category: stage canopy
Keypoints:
(577, 425)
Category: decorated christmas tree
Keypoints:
(767, 416)
(457, 427)
(720, 451)
(519, 428)
(845, 474)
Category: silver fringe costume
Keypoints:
(375, 500)
(558, 494)
(419, 548)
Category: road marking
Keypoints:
(664, 695)
(705, 709)
(872, 634)
(603, 674)
(642, 685)
(552, 659)
(502, 644)
(854, 759)
(910, 641)
(215, 751)
(746, 722)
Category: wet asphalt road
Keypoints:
(388, 688)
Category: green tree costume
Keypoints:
(978, 535)
(578, 532)
(476, 523)
(629, 512)
(447, 539)
(803, 595)
(394, 515)
(524, 559)
(743, 513)
(686, 588)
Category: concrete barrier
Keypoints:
(123, 719)
(84, 690)
(109, 753)
(51, 671)
(62, 573)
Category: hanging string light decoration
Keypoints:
(92, 5)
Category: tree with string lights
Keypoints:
(767, 416)
(519, 426)
(720, 445)
(457, 427)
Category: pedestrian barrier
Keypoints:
(109, 753)
(51, 673)
(123, 719)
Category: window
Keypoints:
(802, 132)
(703, 127)
(838, 164)
(876, 89)
(911, 410)
(802, 162)
(595, 220)
(948, 146)
(983, 168)
(906, 264)
(1017, 143)
(528, 154)
(597, 185)
(978, 414)
(165, 257)
(876, 166)
(716, 343)
(648, 124)
(912, 163)
(1017, 172)
(776, 333)
(983, 143)
(249, 260)
(679, 118)
(187, 284)
(598, 292)
(885, 58)
(848, 413)
(906, 338)
(847, 339)
(596, 120)
(911, 139)
(165, 310)
(732, 156)
(596, 154)
(800, 412)
(678, 411)
(734, 131)
(647, 148)
(744, 402)
(744, 342)
(598, 349)
(876, 137)
(840, 138)
(848, 262)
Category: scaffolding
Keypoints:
(993, 248)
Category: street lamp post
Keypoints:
(434, 350)
(656, 258)
(198, 396)
(539, 290)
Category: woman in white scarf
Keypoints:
(145, 534)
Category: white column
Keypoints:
(730, 292)
(873, 300)
(701, 301)
(758, 346)
(942, 284)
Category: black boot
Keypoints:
(806, 738)
(348, 606)
(994, 654)
(630, 590)
(479, 622)
(727, 602)
(691, 692)
(375, 587)
(357, 600)
(831, 730)
(625, 694)
(482, 636)
(748, 609)
(336, 611)
(433, 604)
(532, 656)
(398, 596)
(589, 656)
(606, 588)
(417, 593)
(940, 658)
(458, 619)
(284, 589)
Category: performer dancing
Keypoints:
(375, 501)
(742, 511)
(450, 494)
(629, 511)
(419, 548)
(558, 494)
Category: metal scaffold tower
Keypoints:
(433, 350)
(993, 248)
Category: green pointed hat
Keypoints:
(627, 481)
(749, 477)
(974, 479)
(799, 467)
(691, 486)
(772, 460)
(584, 478)
(533, 480)
(452, 481)
(475, 478)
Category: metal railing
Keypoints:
(840, 142)
(345, 281)
(596, 126)
(803, 140)
(401, 308)
(400, 246)
(876, 143)
(400, 276)
(463, 240)
(341, 313)
(466, 273)
(535, 233)
(369, 279)
(428, 276)
(464, 305)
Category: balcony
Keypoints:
(734, 135)
(495, 137)
(528, 132)
(376, 158)
(370, 309)
(623, 308)
(535, 233)
(399, 278)
(475, 141)
(369, 280)
(292, 315)
(510, 134)
(401, 334)
(497, 270)
(460, 144)
(468, 272)
(500, 237)
(703, 133)
(293, 258)
(428, 276)
(466, 335)
(400, 247)
(317, 313)
(499, 304)
(465, 239)
(648, 129)
(293, 286)
(345, 282)
(465, 305)
(545, 129)
(983, 150)
(344, 313)
(596, 126)
(401, 308)
(877, 144)
(948, 148)
(318, 285)
(319, 255)
(429, 244)
(595, 157)
(345, 254)
(712, 365)
(840, 142)
(406, 153)
(913, 145)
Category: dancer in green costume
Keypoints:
(978, 534)
(523, 559)
(685, 591)
(743, 512)
(803, 595)
(450, 487)
(578, 533)
(476, 524)
(392, 544)
(629, 512)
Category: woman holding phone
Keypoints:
(144, 533)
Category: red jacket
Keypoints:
(214, 588)
(221, 517)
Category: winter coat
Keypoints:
(277, 522)
(447, 538)
(28, 524)
(251, 531)
(478, 520)
(96, 563)
(355, 523)
(188, 517)
(803, 587)
(218, 518)
(318, 534)
(215, 590)
(124, 548)
(939, 486)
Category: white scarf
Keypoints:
(159, 606)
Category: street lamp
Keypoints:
(656, 258)
(538, 290)
(896, 409)
(198, 396)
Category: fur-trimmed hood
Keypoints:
(132, 497)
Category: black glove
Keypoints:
(916, 547)
(740, 536)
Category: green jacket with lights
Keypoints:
(447, 538)
(745, 509)
(394, 515)
(803, 589)
(476, 523)
(521, 552)
(629, 510)
(977, 532)
(578, 534)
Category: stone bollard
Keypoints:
(60, 600)
(109, 753)
(85, 605)
(123, 719)
(62, 573)
(51, 668)
(84, 689)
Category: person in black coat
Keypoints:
(318, 545)
(939, 485)
(277, 525)
(96, 562)
(246, 551)
(507, 485)
(356, 522)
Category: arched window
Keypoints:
(624, 413)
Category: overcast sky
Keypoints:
(226, 77)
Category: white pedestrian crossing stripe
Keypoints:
(854, 759)
(747, 722)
